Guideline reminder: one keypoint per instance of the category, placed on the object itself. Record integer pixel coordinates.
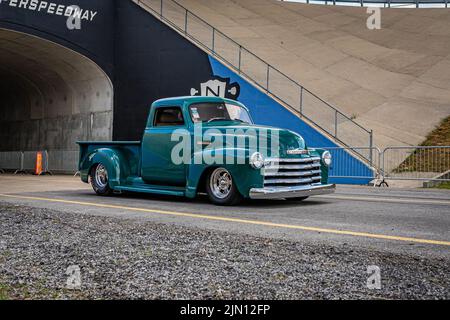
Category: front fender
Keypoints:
(234, 160)
(324, 168)
(113, 160)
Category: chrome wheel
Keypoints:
(221, 183)
(101, 176)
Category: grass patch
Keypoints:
(444, 185)
(35, 291)
(439, 136)
(4, 292)
(430, 160)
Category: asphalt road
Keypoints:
(393, 220)
(151, 247)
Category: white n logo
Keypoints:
(210, 90)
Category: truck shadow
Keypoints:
(204, 201)
(282, 203)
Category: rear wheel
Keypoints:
(99, 180)
(221, 188)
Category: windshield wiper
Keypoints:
(225, 119)
(240, 120)
(217, 119)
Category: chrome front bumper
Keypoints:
(291, 192)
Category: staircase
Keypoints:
(308, 106)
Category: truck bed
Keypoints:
(130, 150)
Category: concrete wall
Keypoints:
(51, 96)
(152, 61)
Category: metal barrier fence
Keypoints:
(63, 161)
(269, 79)
(29, 161)
(57, 161)
(420, 163)
(430, 163)
(10, 161)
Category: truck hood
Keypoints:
(287, 140)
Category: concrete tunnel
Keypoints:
(51, 96)
(59, 85)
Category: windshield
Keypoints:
(218, 111)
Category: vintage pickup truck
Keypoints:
(181, 154)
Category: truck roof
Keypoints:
(192, 99)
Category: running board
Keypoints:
(153, 190)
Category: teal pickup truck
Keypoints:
(207, 145)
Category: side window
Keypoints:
(168, 116)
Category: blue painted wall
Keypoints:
(267, 111)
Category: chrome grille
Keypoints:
(285, 172)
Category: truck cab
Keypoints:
(209, 145)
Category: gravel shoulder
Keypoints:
(130, 259)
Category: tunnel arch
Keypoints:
(52, 96)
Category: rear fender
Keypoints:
(113, 160)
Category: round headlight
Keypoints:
(257, 160)
(326, 158)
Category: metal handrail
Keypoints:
(265, 87)
(386, 3)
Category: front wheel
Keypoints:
(221, 188)
(99, 180)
